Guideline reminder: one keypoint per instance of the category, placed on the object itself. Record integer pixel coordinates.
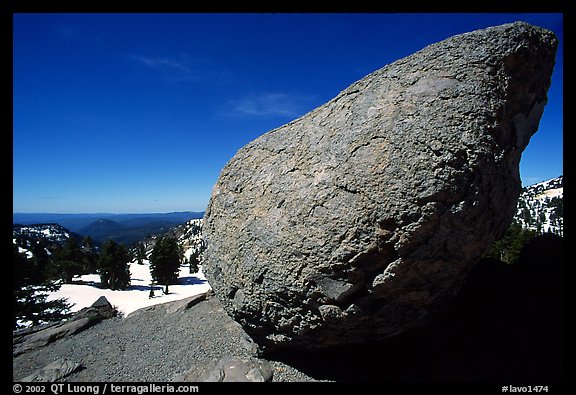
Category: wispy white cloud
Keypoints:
(77, 34)
(163, 64)
(181, 67)
(268, 105)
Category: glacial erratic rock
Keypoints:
(363, 217)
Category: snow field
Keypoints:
(87, 290)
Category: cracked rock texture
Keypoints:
(230, 369)
(363, 217)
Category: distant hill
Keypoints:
(102, 229)
(75, 222)
(126, 232)
(122, 228)
(53, 233)
(48, 236)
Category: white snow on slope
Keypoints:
(551, 193)
(540, 206)
(87, 290)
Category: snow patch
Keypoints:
(87, 290)
(25, 251)
(540, 207)
(551, 193)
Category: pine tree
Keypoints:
(71, 251)
(165, 261)
(526, 216)
(40, 260)
(542, 217)
(140, 253)
(67, 261)
(66, 270)
(89, 255)
(194, 261)
(113, 266)
(508, 248)
(30, 292)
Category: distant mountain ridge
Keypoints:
(127, 232)
(44, 236)
(53, 233)
(122, 228)
(75, 222)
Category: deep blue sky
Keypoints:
(134, 113)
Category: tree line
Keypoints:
(49, 266)
(507, 248)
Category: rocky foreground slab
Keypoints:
(187, 340)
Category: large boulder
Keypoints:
(363, 217)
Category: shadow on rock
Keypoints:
(505, 325)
